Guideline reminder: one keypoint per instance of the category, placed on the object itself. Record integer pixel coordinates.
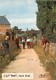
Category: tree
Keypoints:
(16, 30)
(46, 18)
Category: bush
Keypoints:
(5, 58)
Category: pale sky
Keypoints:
(21, 13)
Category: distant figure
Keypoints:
(23, 41)
(31, 42)
(17, 41)
(12, 35)
(35, 41)
(45, 44)
(5, 44)
(28, 42)
(8, 34)
(44, 41)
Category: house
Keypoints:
(4, 24)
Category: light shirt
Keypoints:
(28, 40)
(23, 40)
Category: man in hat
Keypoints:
(5, 44)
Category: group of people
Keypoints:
(29, 41)
(5, 43)
(25, 41)
(11, 35)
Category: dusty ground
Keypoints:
(28, 62)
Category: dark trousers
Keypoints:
(17, 43)
(23, 45)
(28, 45)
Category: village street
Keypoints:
(27, 62)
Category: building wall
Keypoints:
(3, 28)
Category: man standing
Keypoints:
(23, 41)
(12, 35)
(5, 44)
(17, 41)
(28, 42)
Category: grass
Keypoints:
(6, 59)
(2, 37)
(48, 60)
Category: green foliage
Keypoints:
(16, 30)
(46, 18)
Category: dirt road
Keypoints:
(27, 62)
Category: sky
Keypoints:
(21, 13)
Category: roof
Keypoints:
(3, 20)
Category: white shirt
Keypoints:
(28, 40)
(23, 40)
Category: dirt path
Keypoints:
(28, 62)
